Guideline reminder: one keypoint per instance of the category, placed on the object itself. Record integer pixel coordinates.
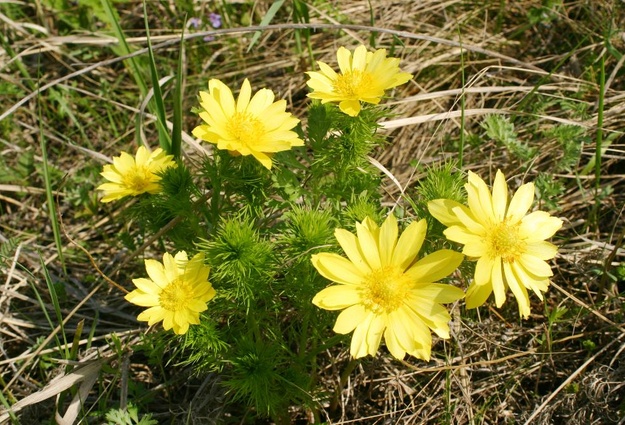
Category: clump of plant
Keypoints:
(281, 223)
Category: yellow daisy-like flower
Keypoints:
(508, 243)
(255, 125)
(133, 176)
(385, 291)
(364, 77)
(176, 292)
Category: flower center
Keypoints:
(352, 84)
(245, 128)
(385, 289)
(139, 179)
(176, 296)
(504, 240)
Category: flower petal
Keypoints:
(349, 319)
(244, 96)
(498, 283)
(388, 239)
(359, 347)
(479, 199)
(439, 293)
(435, 266)
(519, 291)
(409, 244)
(157, 273)
(368, 246)
(541, 249)
(539, 225)
(337, 297)
(337, 269)
(351, 247)
(500, 196)
(344, 58)
(478, 294)
(535, 265)
(142, 299)
(443, 211)
(350, 107)
(521, 203)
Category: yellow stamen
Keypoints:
(245, 128)
(505, 242)
(352, 84)
(177, 295)
(139, 179)
(385, 290)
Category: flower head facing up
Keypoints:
(176, 292)
(364, 77)
(384, 291)
(133, 176)
(255, 125)
(508, 243)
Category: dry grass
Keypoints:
(496, 368)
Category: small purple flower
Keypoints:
(215, 19)
(194, 22)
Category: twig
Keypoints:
(568, 380)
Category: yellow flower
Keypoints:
(134, 176)
(176, 292)
(255, 125)
(385, 291)
(508, 243)
(363, 78)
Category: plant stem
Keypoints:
(344, 376)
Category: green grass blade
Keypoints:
(265, 21)
(55, 303)
(163, 135)
(42, 304)
(54, 219)
(176, 132)
(124, 48)
(7, 406)
(599, 140)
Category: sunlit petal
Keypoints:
(435, 266)
(176, 292)
(337, 269)
(409, 244)
(252, 125)
(337, 297)
(508, 243)
(363, 77)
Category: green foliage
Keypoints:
(240, 260)
(340, 145)
(21, 172)
(256, 378)
(128, 416)
(307, 229)
(360, 205)
(546, 13)
(501, 130)
(549, 191)
(7, 249)
(178, 208)
(441, 181)
(203, 347)
(571, 139)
